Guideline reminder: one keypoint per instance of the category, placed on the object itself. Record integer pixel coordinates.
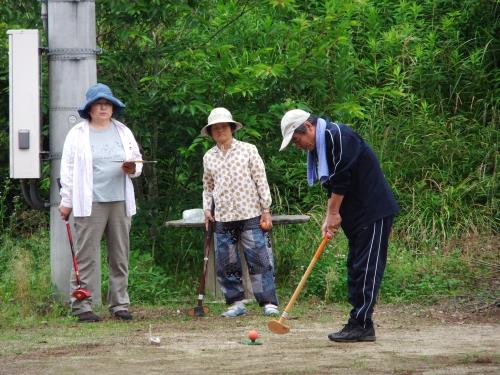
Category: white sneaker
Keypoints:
(236, 309)
(271, 310)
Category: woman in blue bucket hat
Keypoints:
(97, 165)
(96, 92)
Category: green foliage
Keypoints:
(409, 276)
(26, 294)
(418, 80)
(414, 79)
(149, 283)
(25, 288)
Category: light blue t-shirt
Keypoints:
(109, 179)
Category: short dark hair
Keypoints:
(232, 124)
(302, 128)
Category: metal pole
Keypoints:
(72, 69)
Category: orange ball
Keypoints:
(266, 226)
(253, 335)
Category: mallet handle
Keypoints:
(209, 233)
(304, 278)
(73, 255)
(208, 244)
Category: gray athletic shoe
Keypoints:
(271, 310)
(236, 309)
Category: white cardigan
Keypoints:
(76, 169)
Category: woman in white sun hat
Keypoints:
(235, 181)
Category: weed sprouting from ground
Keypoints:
(21, 279)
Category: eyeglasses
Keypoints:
(103, 103)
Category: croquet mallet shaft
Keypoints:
(295, 295)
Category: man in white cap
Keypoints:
(359, 199)
(234, 181)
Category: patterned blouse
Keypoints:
(236, 181)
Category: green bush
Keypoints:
(149, 283)
(25, 286)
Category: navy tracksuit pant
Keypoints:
(365, 267)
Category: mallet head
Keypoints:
(80, 294)
(198, 311)
(278, 327)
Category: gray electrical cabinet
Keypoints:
(24, 103)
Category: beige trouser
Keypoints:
(110, 219)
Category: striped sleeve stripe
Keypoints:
(333, 151)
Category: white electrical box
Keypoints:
(24, 103)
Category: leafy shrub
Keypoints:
(25, 286)
(149, 283)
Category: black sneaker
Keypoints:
(88, 317)
(353, 331)
(123, 315)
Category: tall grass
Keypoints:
(454, 268)
(415, 271)
(25, 287)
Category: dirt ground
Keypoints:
(449, 338)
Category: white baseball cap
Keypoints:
(217, 116)
(291, 121)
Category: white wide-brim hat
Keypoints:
(291, 121)
(217, 116)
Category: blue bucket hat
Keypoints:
(96, 92)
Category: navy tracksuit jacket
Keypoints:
(367, 212)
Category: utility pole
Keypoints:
(72, 53)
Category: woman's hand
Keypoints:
(64, 212)
(331, 225)
(208, 218)
(266, 222)
(128, 167)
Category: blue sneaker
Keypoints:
(236, 309)
(271, 310)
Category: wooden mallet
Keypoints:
(277, 326)
(201, 310)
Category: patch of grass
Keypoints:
(456, 269)
(410, 277)
(25, 289)
(431, 271)
(480, 358)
